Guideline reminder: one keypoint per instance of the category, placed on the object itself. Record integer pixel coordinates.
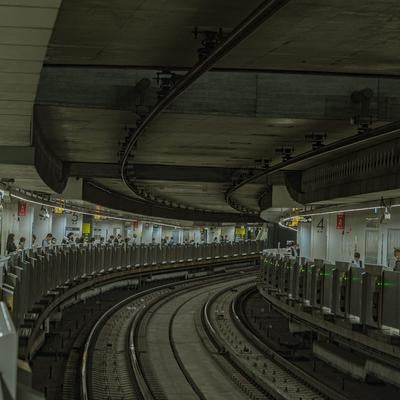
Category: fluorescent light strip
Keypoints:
(85, 212)
(338, 212)
(287, 227)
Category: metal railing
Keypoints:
(28, 276)
(367, 296)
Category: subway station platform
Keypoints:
(199, 199)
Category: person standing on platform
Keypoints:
(295, 250)
(34, 244)
(70, 238)
(10, 246)
(397, 259)
(357, 261)
(21, 244)
(47, 240)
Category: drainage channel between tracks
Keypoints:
(241, 350)
(175, 354)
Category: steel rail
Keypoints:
(239, 318)
(211, 332)
(256, 18)
(138, 324)
(193, 282)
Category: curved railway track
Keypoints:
(175, 353)
(260, 365)
(184, 341)
(270, 332)
(112, 363)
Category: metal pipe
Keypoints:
(266, 10)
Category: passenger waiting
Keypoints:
(21, 244)
(397, 259)
(34, 244)
(47, 240)
(110, 240)
(357, 261)
(10, 246)
(70, 238)
(295, 250)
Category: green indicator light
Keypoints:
(355, 279)
(388, 284)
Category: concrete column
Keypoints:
(156, 235)
(304, 239)
(147, 233)
(228, 231)
(194, 234)
(58, 226)
(138, 230)
(166, 232)
(41, 226)
(212, 233)
(19, 226)
(74, 224)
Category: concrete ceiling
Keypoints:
(217, 140)
(25, 30)
(93, 135)
(88, 135)
(227, 119)
(339, 35)
(138, 32)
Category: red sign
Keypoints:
(21, 208)
(340, 221)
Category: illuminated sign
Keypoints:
(22, 208)
(340, 221)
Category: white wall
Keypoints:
(213, 232)
(20, 226)
(147, 233)
(304, 240)
(41, 226)
(339, 245)
(134, 229)
(58, 226)
(228, 231)
(156, 234)
(166, 232)
(106, 228)
(192, 234)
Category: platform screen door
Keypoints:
(393, 241)
(371, 246)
